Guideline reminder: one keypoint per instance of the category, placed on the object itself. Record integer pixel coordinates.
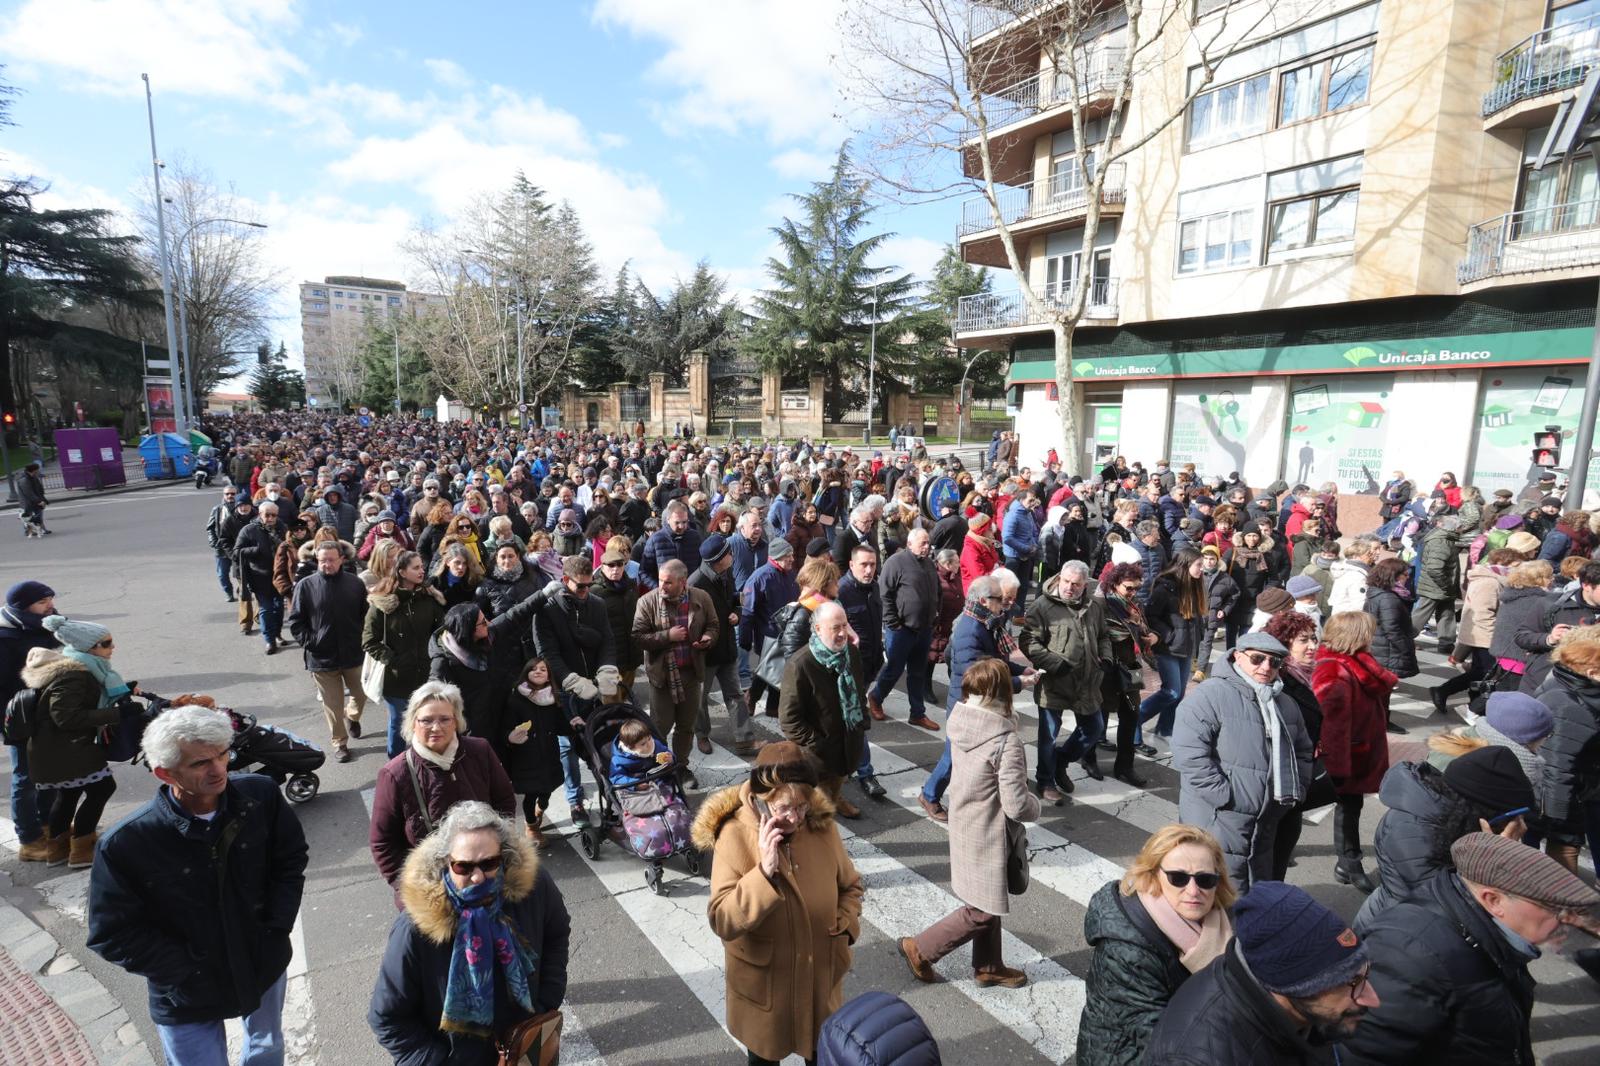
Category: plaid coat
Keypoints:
(980, 799)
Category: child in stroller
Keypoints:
(642, 805)
(290, 760)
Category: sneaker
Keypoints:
(353, 727)
(924, 722)
(870, 785)
(1001, 976)
(934, 810)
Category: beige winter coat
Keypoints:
(980, 799)
(1479, 606)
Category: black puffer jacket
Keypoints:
(1394, 645)
(1414, 835)
(1222, 1015)
(1569, 609)
(573, 636)
(1518, 630)
(1132, 976)
(619, 599)
(1572, 754)
(500, 591)
(1452, 991)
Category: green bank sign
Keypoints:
(1434, 353)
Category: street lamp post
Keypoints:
(161, 237)
(961, 398)
(872, 366)
(187, 384)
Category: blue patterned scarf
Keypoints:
(483, 937)
(850, 701)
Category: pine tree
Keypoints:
(818, 316)
(273, 384)
(940, 363)
(664, 329)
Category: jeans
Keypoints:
(270, 609)
(906, 651)
(569, 772)
(1090, 731)
(396, 742)
(225, 575)
(206, 1043)
(1049, 729)
(1173, 670)
(24, 799)
(939, 777)
(865, 769)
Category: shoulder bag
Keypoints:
(1017, 876)
(534, 1041)
(373, 671)
(769, 666)
(422, 800)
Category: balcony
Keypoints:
(1548, 62)
(1018, 113)
(988, 312)
(984, 19)
(1561, 238)
(1034, 206)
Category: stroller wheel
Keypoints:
(652, 877)
(589, 840)
(692, 860)
(301, 787)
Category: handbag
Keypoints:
(372, 671)
(535, 1040)
(769, 665)
(1016, 838)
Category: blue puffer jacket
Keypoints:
(1019, 537)
(971, 640)
(876, 1029)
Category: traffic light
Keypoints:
(1547, 447)
(9, 419)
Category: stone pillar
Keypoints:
(658, 403)
(571, 407)
(700, 388)
(817, 416)
(614, 408)
(771, 403)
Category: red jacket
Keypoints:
(1354, 693)
(978, 557)
(1297, 518)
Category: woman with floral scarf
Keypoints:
(481, 943)
(1132, 649)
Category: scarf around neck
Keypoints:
(1004, 643)
(485, 940)
(1285, 772)
(467, 657)
(112, 687)
(443, 760)
(838, 662)
(1197, 943)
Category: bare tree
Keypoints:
(512, 263)
(934, 80)
(342, 367)
(219, 272)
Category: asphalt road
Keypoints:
(646, 981)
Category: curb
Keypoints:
(117, 490)
(97, 1014)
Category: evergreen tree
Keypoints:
(377, 356)
(597, 363)
(940, 363)
(818, 315)
(273, 384)
(664, 330)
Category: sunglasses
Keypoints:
(1256, 658)
(580, 584)
(464, 867)
(107, 643)
(1180, 879)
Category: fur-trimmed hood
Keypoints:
(306, 552)
(388, 601)
(45, 665)
(734, 802)
(422, 890)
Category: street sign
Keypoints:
(363, 412)
(523, 408)
(159, 364)
(365, 420)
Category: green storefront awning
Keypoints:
(1530, 347)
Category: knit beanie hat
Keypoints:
(978, 522)
(27, 593)
(1491, 778)
(80, 636)
(1273, 600)
(1302, 585)
(1292, 944)
(1523, 541)
(1520, 717)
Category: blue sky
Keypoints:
(676, 127)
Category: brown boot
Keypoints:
(535, 835)
(875, 708)
(1004, 976)
(921, 968)
(56, 850)
(34, 850)
(80, 852)
(834, 787)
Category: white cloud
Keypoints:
(909, 255)
(447, 72)
(186, 46)
(761, 63)
(799, 163)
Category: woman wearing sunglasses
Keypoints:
(440, 767)
(1243, 756)
(1166, 919)
(480, 945)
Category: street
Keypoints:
(645, 974)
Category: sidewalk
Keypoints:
(52, 1011)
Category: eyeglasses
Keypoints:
(787, 813)
(1256, 658)
(435, 723)
(1180, 879)
(1357, 983)
(464, 867)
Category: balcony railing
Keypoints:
(989, 310)
(1100, 73)
(1523, 242)
(1548, 61)
(1064, 191)
(986, 18)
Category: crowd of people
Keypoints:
(490, 590)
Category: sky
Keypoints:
(677, 128)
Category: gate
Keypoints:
(735, 385)
(635, 404)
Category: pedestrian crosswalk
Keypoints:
(903, 858)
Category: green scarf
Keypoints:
(849, 692)
(112, 687)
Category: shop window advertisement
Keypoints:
(1210, 422)
(1338, 428)
(1515, 404)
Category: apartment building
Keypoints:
(334, 315)
(1341, 259)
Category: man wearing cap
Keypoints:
(1290, 988)
(28, 604)
(1450, 965)
(1498, 506)
(1243, 756)
(418, 518)
(769, 589)
(714, 577)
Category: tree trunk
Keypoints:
(1066, 405)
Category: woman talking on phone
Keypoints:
(786, 901)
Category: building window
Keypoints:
(319, 292)
(1313, 205)
(1202, 8)
(1229, 113)
(394, 301)
(1564, 196)
(1325, 86)
(319, 305)
(336, 292)
(338, 307)
(1218, 226)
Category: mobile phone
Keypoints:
(761, 808)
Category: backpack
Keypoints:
(21, 713)
(1495, 539)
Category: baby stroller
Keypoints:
(288, 759)
(651, 820)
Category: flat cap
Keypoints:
(1260, 642)
(1513, 867)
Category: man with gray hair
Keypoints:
(861, 529)
(197, 891)
(674, 625)
(1064, 635)
(254, 551)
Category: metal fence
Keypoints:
(1548, 61)
(1065, 191)
(1099, 74)
(1544, 238)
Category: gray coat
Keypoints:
(1220, 750)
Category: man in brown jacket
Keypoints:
(674, 625)
(812, 702)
